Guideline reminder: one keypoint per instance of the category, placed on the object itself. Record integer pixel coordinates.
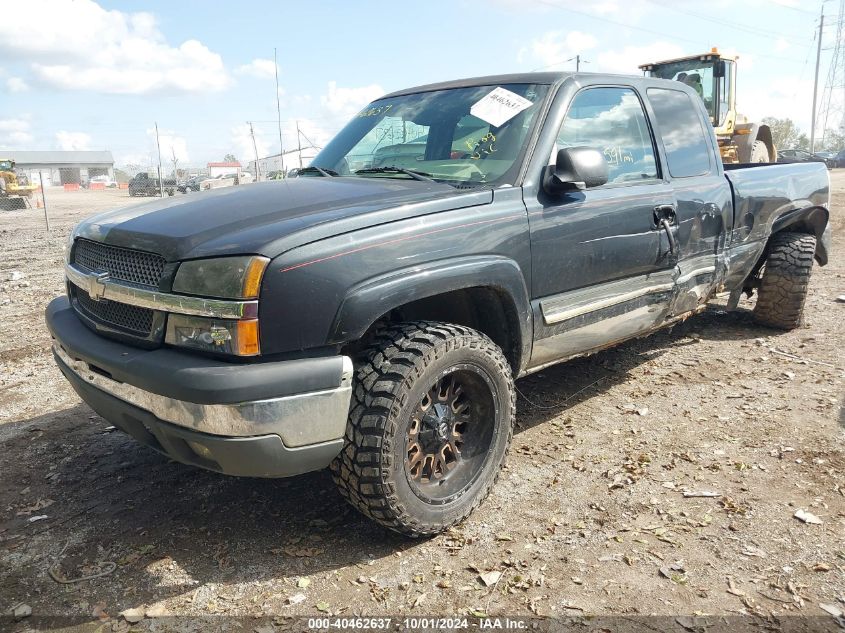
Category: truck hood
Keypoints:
(271, 217)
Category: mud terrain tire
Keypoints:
(411, 374)
(786, 276)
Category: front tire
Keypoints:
(785, 280)
(430, 424)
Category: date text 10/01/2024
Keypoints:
(417, 623)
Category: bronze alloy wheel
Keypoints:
(430, 423)
(449, 435)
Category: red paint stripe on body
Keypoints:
(399, 239)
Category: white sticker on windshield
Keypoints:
(499, 106)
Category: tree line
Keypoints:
(787, 135)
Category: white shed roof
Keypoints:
(81, 158)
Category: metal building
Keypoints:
(60, 167)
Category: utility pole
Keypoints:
(44, 200)
(279, 114)
(578, 62)
(175, 162)
(299, 144)
(816, 85)
(160, 183)
(255, 147)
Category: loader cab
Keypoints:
(712, 76)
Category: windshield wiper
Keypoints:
(416, 175)
(319, 170)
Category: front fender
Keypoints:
(364, 303)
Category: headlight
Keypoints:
(222, 277)
(213, 335)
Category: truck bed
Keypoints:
(766, 197)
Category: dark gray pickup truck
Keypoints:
(372, 314)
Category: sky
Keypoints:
(80, 74)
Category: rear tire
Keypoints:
(759, 153)
(430, 424)
(786, 277)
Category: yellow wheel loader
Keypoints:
(713, 76)
(13, 194)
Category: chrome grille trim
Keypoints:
(155, 300)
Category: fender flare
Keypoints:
(369, 300)
(814, 220)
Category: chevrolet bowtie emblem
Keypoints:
(96, 284)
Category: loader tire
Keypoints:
(759, 153)
(786, 277)
(430, 423)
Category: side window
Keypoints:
(612, 121)
(684, 137)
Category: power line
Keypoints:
(651, 31)
(787, 6)
(732, 24)
(578, 62)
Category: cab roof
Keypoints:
(543, 78)
(703, 57)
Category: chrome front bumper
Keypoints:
(299, 420)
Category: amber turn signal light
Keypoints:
(247, 340)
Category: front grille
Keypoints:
(122, 264)
(130, 319)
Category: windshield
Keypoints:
(461, 136)
(698, 75)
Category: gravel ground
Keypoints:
(590, 518)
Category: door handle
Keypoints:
(664, 212)
(666, 225)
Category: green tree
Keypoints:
(803, 142)
(230, 158)
(785, 134)
(833, 141)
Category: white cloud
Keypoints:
(137, 159)
(781, 44)
(785, 97)
(171, 145)
(628, 59)
(78, 45)
(555, 48)
(344, 102)
(16, 84)
(313, 133)
(259, 68)
(15, 133)
(242, 141)
(72, 141)
(633, 10)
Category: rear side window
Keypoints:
(679, 124)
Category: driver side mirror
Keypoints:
(576, 168)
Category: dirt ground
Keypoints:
(590, 517)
